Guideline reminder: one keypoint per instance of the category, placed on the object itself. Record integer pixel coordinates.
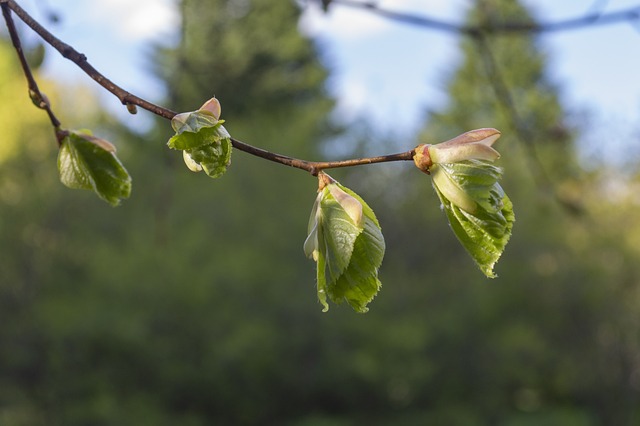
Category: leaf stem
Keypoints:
(127, 98)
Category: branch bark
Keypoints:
(128, 99)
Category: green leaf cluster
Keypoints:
(483, 224)
(205, 143)
(345, 239)
(87, 162)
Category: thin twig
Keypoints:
(598, 7)
(81, 61)
(38, 98)
(589, 20)
(127, 98)
(314, 167)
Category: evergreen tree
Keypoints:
(502, 80)
(248, 54)
(185, 304)
(521, 348)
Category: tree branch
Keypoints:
(314, 167)
(37, 97)
(499, 86)
(128, 99)
(81, 61)
(589, 20)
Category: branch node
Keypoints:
(66, 51)
(60, 135)
(39, 99)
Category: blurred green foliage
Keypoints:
(193, 303)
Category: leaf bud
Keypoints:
(212, 106)
(39, 99)
(472, 145)
(132, 108)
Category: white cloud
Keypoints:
(341, 22)
(137, 20)
(353, 96)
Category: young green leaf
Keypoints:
(483, 220)
(480, 213)
(213, 158)
(340, 232)
(346, 241)
(199, 128)
(206, 144)
(87, 162)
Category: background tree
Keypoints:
(216, 334)
(522, 348)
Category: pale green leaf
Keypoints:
(359, 283)
(196, 129)
(484, 231)
(213, 158)
(205, 142)
(366, 210)
(339, 232)
(193, 121)
(311, 243)
(191, 165)
(348, 246)
(451, 189)
(477, 179)
(85, 162)
(350, 204)
(321, 274)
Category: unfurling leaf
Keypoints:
(213, 158)
(480, 213)
(484, 229)
(87, 162)
(206, 144)
(346, 241)
(199, 128)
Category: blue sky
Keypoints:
(401, 71)
(388, 73)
